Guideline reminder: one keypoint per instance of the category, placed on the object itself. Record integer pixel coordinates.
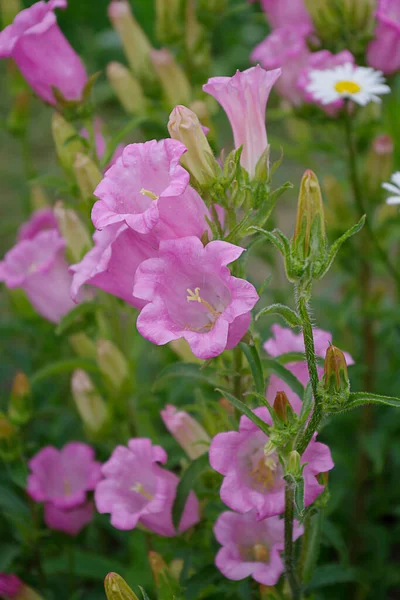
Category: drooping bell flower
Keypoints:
(191, 294)
(244, 98)
(70, 521)
(136, 489)
(287, 12)
(149, 190)
(250, 547)
(42, 53)
(40, 220)
(383, 52)
(62, 477)
(254, 480)
(186, 430)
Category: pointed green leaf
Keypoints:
(245, 410)
(334, 249)
(357, 399)
(275, 240)
(185, 486)
(273, 366)
(253, 358)
(290, 316)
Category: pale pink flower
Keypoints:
(187, 431)
(62, 477)
(287, 12)
(137, 490)
(250, 547)
(10, 586)
(254, 481)
(191, 294)
(286, 48)
(149, 190)
(383, 52)
(42, 53)
(70, 521)
(244, 98)
(40, 220)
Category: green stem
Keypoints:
(289, 546)
(237, 379)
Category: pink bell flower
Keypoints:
(40, 220)
(62, 477)
(188, 432)
(253, 481)
(149, 190)
(191, 293)
(42, 53)
(136, 489)
(287, 12)
(70, 521)
(244, 98)
(250, 547)
(383, 53)
(10, 586)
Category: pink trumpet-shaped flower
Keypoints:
(187, 431)
(149, 190)
(62, 477)
(287, 12)
(383, 52)
(40, 220)
(191, 294)
(70, 521)
(253, 480)
(136, 489)
(250, 547)
(38, 266)
(244, 98)
(42, 53)
(10, 586)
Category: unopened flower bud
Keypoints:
(112, 363)
(175, 84)
(158, 567)
(336, 378)
(73, 231)
(189, 434)
(117, 589)
(379, 164)
(10, 443)
(83, 345)
(38, 197)
(20, 404)
(309, 236)
(7, 429)
(199, 160)
(127, 88)
(90, 405)
(169, 20)
(87, 174)
(67, 142)
(294, 464)
(282, 407)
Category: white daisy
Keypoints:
(393, 188)
(360, 84)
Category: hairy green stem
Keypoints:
(289, 546)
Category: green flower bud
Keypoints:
(67, 142)
(90, 405)
(112, 363)
(83, 345)
(294, 465)
(309, 238)
(175, 84)
(73, 231)
(170, 16)
(87, 174)
(117, 589)
(336, 379)
(9, 10)
(20, 404)
(127, 88)
(282, 407)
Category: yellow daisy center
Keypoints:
(347, 87)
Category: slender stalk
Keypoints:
(289, 546)
(237, 379)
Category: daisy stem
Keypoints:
(289, 546)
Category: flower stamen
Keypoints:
(195, 297)
(139, 489)
(261, 553)
(149, 194)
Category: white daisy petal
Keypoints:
(391, 188)
(395, 178)
(393, 200)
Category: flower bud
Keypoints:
(294, 464)
(67, 142)
(20, 404)
(10, 444)
(87, 174)
(379, 164)
(73, 231)
(216, 7)
(117, 589)
(175, 84)
(38, 197)
(282, 407)
(83, 345)
(90, 405)
(112, 363)
(309, 236)
(199, 160)
(169, 20)
(335, 379)
(189, 434)
(7, 430)
(127, 88)
(158, 567)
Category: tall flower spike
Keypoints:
(244, 98)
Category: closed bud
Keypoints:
(379, 164)
(189, 434)
(262, 168)
(87, 174)
(294, 464)
(175, 84)
(83, 345)
(10, 444)
(336, 378)
(67, 142)
(127, 88)
(199, 160)
(158, 567)
(112, 363)
(7, 429)
(309, 238)
(117, 589)
(90, 405)
(169, 20)
(73, 231)
(282, 407)
(38, 197)
(20, 404)
(200, 108)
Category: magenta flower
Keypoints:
(287, 12)
(62, 477)
(285, 47)
(70, 521)
(40, 220)
(137, 490)
(320, 61)
(10, 586)
(148, 189)
(191, 294)
(42, 53)
(254, 481)
(187, 431)
(111, 264)
(250, 547)
(244, 98)
(383, 52)
(284, 341)
(38, 267)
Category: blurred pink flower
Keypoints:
(187, 431)
(244, 98)
(383, 52)
(38, 266)
(42, 53)
(250, 547)
(70, 521)
(191, 294)
(40, 220)
(149, 190)
(137, 490)
(285, 47)
(287, 12)
(62, 477)
(254, 481)
(10, 586)
(101, 143)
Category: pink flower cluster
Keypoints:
(61, 479)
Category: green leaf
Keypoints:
(179, 370)
(299, 495)
(264, 285)
(333, 574)
(334, 249)
(185, 486)
(245, 410)
(144, 594)
(280, 371)
(253, 358)
(290, 316)
(237, 231)
(8, 553)
(63, 366)
(87, 565)
(262, 215)
(271, 237)
(307, 404)
(357, 399)
(11, 503)
(77, 317)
